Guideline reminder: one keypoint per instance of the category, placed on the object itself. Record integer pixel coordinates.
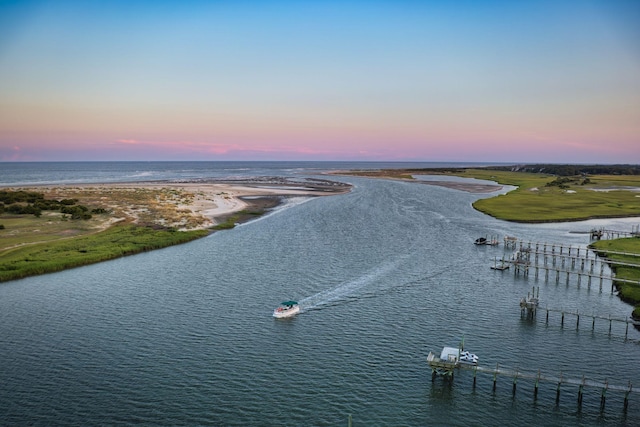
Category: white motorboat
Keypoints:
(456, 355)
(466, 357)
(287, 309)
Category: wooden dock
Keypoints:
(602, 233)
(565, 261)
(592, 317)
(530, 305)
(447, 369)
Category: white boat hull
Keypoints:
(286, 312)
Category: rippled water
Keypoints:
(385, 274)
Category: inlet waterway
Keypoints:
(384, 274)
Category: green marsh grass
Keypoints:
(238, 217)
(628, 292)
(117, 241)
(605, 196)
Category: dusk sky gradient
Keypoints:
(477, 81)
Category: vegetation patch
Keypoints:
(230, 221)
(628, 292)
(23, 202)
(547, 198)
(117, 241)
(547, 193)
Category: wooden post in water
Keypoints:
(475, 371)
(515, 380)
(600, 283)
(349, 421)
(535, 387)
(603, 398)
(626, 398)
(578, 320)
(495, 377)
(580, 392)
(626, 331)
(558, 389)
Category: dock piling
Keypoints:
(475, 371)
(446, 368)
(603, 398)
(626, 398)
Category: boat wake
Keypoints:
(289, 202)
(347, 289)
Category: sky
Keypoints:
(468, 81)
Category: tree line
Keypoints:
(32, 203)
(572, 170)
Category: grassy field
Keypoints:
(135, 220)
(119, 240)
(628, 292)
(144, 218)
(539, 198)
(544, 198)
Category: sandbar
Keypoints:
(185, 205)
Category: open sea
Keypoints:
(184, 336)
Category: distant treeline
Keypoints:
(572, 170)
(33, 203)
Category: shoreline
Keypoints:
(185, 205)
(402, 176)
(134, 218)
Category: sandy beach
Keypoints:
(183, 205)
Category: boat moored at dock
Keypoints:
(450, 358)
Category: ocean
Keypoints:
(384, 275)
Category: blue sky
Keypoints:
(378, 80)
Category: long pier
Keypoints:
(444, 367)
(564, 261)
(602, 233)
(589, 317)
(530, 305)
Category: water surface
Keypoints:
(384, 274)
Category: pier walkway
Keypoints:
(447, 368)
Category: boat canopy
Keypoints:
(289, 302)
(450, 354)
